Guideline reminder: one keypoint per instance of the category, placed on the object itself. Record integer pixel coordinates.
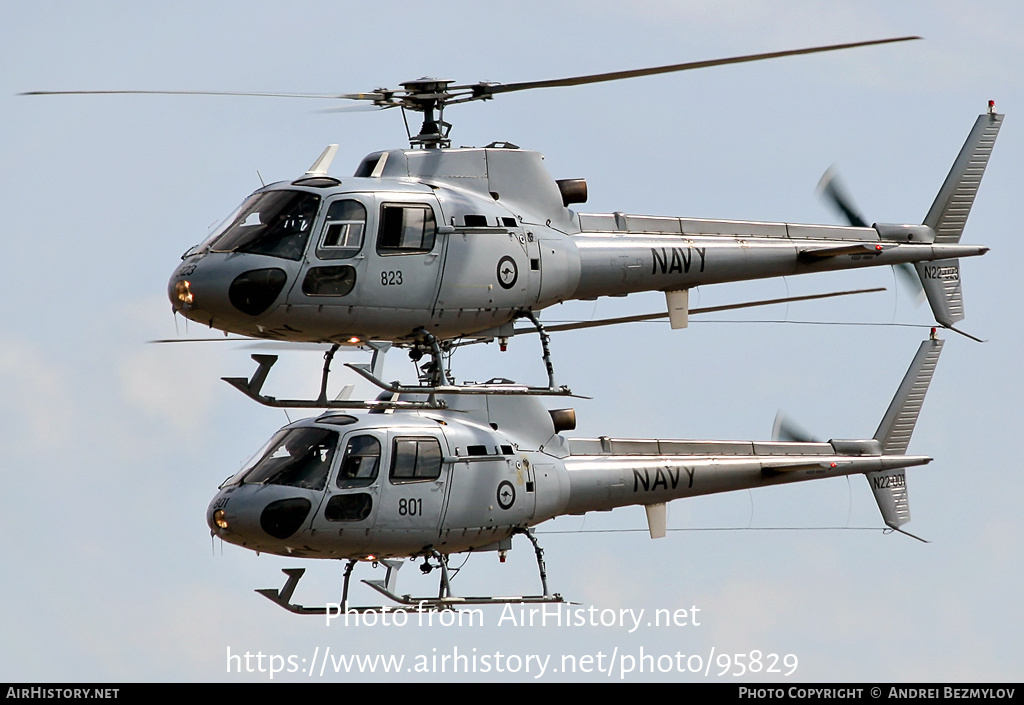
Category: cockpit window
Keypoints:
(204, 246)
(249, 464)
(274, 223)
(297, 457)
(359, 467)
(405, 229)
(342, 236)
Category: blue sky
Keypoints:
(112, 448)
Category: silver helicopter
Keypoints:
(422, 479)
(427, 247)
(433, 246)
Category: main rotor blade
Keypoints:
(253, 343)
(199, 340)
(485, 89)
(336, 96)
(695, 311)
(376, 107)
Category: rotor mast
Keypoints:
(425, 95)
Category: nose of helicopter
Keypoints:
(226, 291)
(257, 516)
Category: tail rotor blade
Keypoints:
(832, 189)
(907, 276)
(786, 430)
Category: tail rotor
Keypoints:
(831, 189)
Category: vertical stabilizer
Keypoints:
(952, 205)
(940, 280)
(948, 216)
(890, 486)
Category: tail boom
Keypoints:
(606, 473)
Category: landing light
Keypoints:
(219, 520)
(183, 293)
(354, 340)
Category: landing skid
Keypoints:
(446, 601)
(436, 382)
(252, 387)
(492, 388)
(387, 587)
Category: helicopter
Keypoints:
(415, 478)
(434, 246)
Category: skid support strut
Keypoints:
(444, 590)
(544, 340)
(433, 373)
(344, 588)
(445, 600)
(328, 357)
(539, 552)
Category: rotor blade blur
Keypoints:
(911, 282)
(198, 340)
(250, 343)
(830, 187)
(336, 96)
(483, 89)
(354, 109)
(695, 311)
(786, 430)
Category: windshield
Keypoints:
(217, 232)
(298, 457)
(274, 223)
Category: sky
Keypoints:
(113, 447)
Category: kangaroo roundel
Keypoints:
(508, 273)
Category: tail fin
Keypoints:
(948, 215)
(893, 434)
(952, 205)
